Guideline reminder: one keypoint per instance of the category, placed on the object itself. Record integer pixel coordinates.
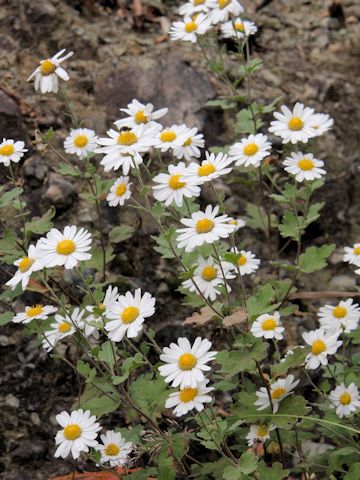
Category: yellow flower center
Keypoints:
(80, 141)
(130, 314)
(111, 450)
(269, 324)
(7, 150)
(198, 2)
(233, 222)
(47, 67)
(239, 26)
(168, 136)
(72, 431)
(209, 273)
(345, 398)
(102, 307)
(188, 394)
(65, 247)
(318, 347)
(25, 264)
(339, 312)
(206, 169)
(357, 251)
(305, 164)
(223, 3)
(120, 189)
(188, 142)
(190, 27)
(174, 182)
(241, 260)
(187, 361)
(64, 327)
(295, 124)
(251, 149)
(262, 431)
(34, 311)
(204, 225)
(140, 117)
(127, 138)
(278, 393)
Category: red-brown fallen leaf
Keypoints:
(205, 316)
(36, 286)
(238, 317)
(97, 475)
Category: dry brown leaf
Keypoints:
(238, 317)
(205, 316)
(36, 286)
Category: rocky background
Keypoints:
(311, 53)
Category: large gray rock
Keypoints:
(60, 192)
(167, 81)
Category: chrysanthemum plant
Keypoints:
(257, 406)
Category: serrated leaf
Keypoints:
(7, 198)
(6, 318)
(121, 233)
(67, 170)
(275, 472)
(314, 258)
(40, 225)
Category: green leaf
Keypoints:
(101, 405)
(292, 361)
(86, 370)
(149, 394)
(314, 258)
(313, 214)
(163, 243)
(247, 464)
(223, 103)
(6, 318)
(121, 233)
(289, 226)
(106, 353)
(235, 361)
(130, 364)
(7, 198)
(40, 225)
(66, 169)
(261, 302)
(244, 121)
(165, 467)
(275, 472)
(353, 473)
(292, 405)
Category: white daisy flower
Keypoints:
(238, 223)
(304, 166)
(251, 150)
(140, 114)
(268, 326)
(36, 312)
(191, 147)
(128, 314)
(345, 399)
(344, 316)
(259, 433)
(172, 187)
(67, 248)
(188, 398)
(11, 151)
(81, 142)
(246, 262)
(192, 7)
(79, 432)
(172, 137)
(48, 73)
(186, 364)
(190, 28)
(119, 192)
(123, 149)
(238, 28)
(213, 167)
(294, 126)
(25, 267)
(203, 227)
(322, 344)
(352, 254)
(64, 326)
(279, 390)
(223, 9)
(208, 277)
(322, 123)
(114, 448)
(104, 307)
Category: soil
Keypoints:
(311, 53)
